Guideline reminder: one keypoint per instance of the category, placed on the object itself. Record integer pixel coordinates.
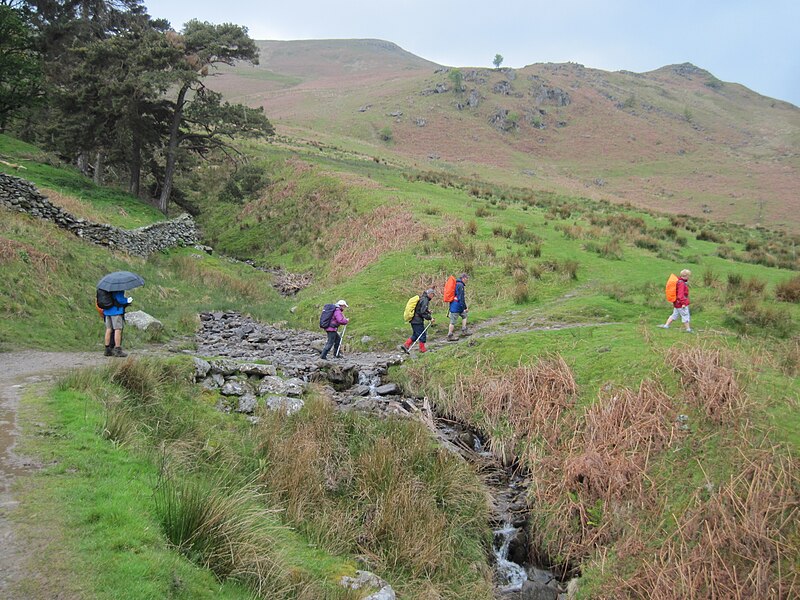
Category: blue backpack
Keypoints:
(326, 316)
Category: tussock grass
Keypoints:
(789, 290)
(119, 427)
(381, 490)
(222, 527)
(361, 241)
(736, 540)
(590, 480)
(709, 381)
(191, 270)
(752, 316)
(513, 405)
(12, 250)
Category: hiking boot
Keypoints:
(118, 352)
(664, 326)
(451, 337)
(403, 347)
(107, 351)
(466, 332)
(422, 348)
(689, 330)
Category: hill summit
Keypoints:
(676, 139)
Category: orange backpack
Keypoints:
(671, 290)
(449, 290)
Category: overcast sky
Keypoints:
(752, 42)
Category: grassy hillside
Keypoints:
(676, 139)
(565, 277)
(632, 434)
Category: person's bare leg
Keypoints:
(108, 337)
(118, 338)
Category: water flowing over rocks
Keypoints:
(354, 382)
(21, 195)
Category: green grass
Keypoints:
(175, 474)
(602, 321)
(90, 513)
(116, 207)
(121, 507)
(50, 276)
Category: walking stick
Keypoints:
(420, 335)
(341, 341)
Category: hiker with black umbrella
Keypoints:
(112, 300)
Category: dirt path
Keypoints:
(18, 370)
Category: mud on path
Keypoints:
(18, 371)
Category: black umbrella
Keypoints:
(119, 281)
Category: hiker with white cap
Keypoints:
(333, 316)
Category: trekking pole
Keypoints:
(341, 341)
(411, 347)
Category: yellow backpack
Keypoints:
(408, 313)
(672, 288)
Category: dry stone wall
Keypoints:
(21, 195)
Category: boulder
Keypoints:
(141, 320)
(224, 367)
(385, 593)
(284, 404)
(233, 387)
(533, 590)
(258, 369)
(208, 384)
(365, 580)
(271, 385)
(294, 387)
(201, 368)
(386, 389)
(247, 403)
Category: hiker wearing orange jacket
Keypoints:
(681, 304)
(458, 308)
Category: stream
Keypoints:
(357, 383)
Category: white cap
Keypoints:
(342, 303)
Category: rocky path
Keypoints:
(19, 370)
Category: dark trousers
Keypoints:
(419, 333)
(333, 342)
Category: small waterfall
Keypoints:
(370, 379)
(511, 576)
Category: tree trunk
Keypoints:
(172, 150)
(83, 163)
(98, 168)
(136, 159)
